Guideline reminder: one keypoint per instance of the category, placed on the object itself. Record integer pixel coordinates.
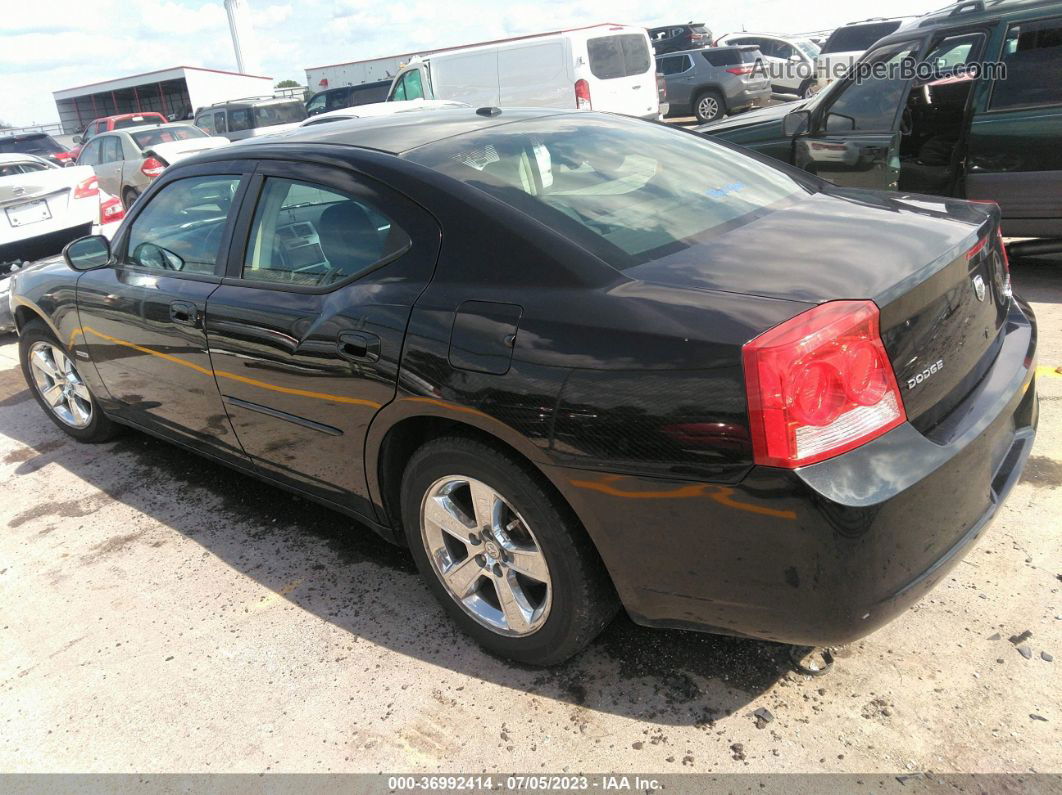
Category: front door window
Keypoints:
(871, 100)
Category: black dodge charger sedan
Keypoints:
(573, 361)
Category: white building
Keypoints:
(175, 93)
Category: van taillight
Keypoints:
(740, 70)
(582, 95)
(87, 187)
(819, 385)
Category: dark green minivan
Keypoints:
(976, 113)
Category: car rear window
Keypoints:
(629, 191)
(281, 113)
(618, 56)
(721, 57)
(165, 135)
(851, 38)
(30, 144)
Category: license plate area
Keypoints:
(28, 213)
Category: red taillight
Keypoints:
(87, 188)
(152, 167)
(582, 95)
(740, 70)
(111, 210)
(819, 385)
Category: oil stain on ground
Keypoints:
(1041, 470)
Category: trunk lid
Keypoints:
(918, 258)
(173, 151)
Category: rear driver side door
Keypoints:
(306, 329)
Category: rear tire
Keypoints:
(53, 378)
(806, 90)
(511, 565)
(709, 106)
(129, 195)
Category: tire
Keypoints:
(129, 195)
(76, 410)
(560, 609)
(709, 106)
(806, 88)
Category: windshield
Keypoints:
(856, 38)
(807, 46)
(165, 135)
(283, 113)
(31, 144)
(631, 191)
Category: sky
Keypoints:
(45, 47)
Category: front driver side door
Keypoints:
(142, 318)
(855, 140)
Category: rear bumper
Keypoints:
(824, 554)
(747, 100)
(40, 246)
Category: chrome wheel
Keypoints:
(485, 555)
(60, 385)
(708, 108)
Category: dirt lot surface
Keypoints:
(161, 613)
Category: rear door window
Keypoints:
(240, 120)
(618, 56)
(111, 149)
(1032, 53)
(310, 236)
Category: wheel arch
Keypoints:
(389, 449)
(26, 312)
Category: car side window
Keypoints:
(111, 149)
(410, 86)
(310, 236)
(1032, 53)
(240, 120)
(90, 153)
(872, 103)
(182, 226)
(673, 64)
(205, 122)
(317, 104)
(219, 122)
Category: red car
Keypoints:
(108, 123)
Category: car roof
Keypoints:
(725, 47)
(398, 132)
(26, 136)
(976, 10)
(21, 157)
(141, 127)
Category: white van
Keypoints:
(603, 67)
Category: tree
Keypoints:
(288, 84)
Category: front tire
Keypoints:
(54, 380)
(709, 106)
(503, 555)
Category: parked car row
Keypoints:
(992, 137)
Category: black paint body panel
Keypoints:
(624, 389)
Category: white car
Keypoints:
(371, 109)
(42, 208)
(847, 43)
(790, 60)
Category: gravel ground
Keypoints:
(160, 613)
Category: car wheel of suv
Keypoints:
(709, 106)
(506, 558)
(129, 195)
(807, 88)
(57, 385)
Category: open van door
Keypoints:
(855, 132)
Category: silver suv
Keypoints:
(709, 83)
(237, 119)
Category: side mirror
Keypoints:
(88, 253)
(796, 122)
(795, 59)
(152, 256)
(76, 139)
